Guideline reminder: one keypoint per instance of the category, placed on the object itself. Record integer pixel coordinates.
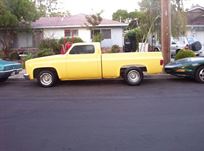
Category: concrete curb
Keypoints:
(153, 76)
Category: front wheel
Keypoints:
(46, 78)
(133, 76)
(199, 75)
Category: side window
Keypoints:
(83, 49)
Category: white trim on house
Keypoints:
(80, 26)
(195, 8)
(194, 26)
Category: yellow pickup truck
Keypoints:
(86, 61)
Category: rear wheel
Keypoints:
(133, 76)
(199, 75)
(46, 78)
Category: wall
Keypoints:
(24, 39)
(53, 33)
(198, 33)
(59, 33)
(85, 34)
(116, 38)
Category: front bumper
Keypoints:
(4, 74)
(178, 72)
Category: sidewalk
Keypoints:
(153, 76)
(18, 76)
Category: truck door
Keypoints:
(83, 62)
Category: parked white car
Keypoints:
(185, 42)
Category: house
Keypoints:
(195, 23)
(73, 26)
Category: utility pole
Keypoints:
(165, 29)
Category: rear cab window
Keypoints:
(82, 49)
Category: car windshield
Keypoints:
(191, 39)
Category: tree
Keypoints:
(48, 7)
(93, 21)
(132, 18)
(179, 18)
(15, 15)
(150, 21)
(60, 14)
(152, 10)
(120, 15)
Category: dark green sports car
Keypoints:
(187, 67)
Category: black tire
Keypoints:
(196, 46)
(133, 76)
(3, 79)
(46, 78)
(199, 75)
(177, 51)
(156, 49)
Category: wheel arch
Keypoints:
(128, 67)
(196, 69)
(37, 70)
(197, 76)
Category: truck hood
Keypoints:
(47, 58)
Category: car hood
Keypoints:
(190, 60)
(9, 65)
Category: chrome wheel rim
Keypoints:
(201, 75)
(133, 76)
(46, 79)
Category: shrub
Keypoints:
(2, 55)
(27, 57)
(97, 38)
(14, 56)
(115, 49)
(51, 44)
(74, 40)
(44, 52)
(184, 53)
(136, 34)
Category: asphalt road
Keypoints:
(159, 115)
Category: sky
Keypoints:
(108, 6)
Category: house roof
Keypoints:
(195, 8)
(196, 16)
(71, 21)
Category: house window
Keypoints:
(83, 49)
(94, 32)
(105, 33)
(70, 33)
